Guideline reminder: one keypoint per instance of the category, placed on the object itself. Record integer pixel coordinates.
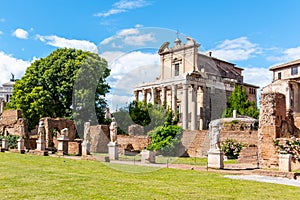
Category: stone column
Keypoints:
(21, 145)
(201, 105)
(144, 95)
(136, 95)
(86, 146)
(194, 108)
(185, 106)
(153, 94)
(174, 98)
(4, 145)
(234, 114)
(163, 97)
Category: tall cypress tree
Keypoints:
(238, 101)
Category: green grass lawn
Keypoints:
(37, 177)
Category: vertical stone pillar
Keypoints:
(185, 106)
(288, 98)
(86, 146)
(4, 145)
(194, 108)
(21, 145)
(153, 94)
(201, 105)
(234, 114)
(163, 96)
(144, 95)
(136, 95)
(174, 98)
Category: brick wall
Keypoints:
(11, 116)
(138, 142)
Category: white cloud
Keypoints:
(127, 71)
(9, 64)
(127, 4)
(286, 55)
(123, 6)
(107, 40)
(258, 76)
(2, 20)
(137, 40)
(138, 26)
(56, 41)
(20, 33)
(110, 56)
(1, 32)
(130, 36)
(236, 49)
(110, 12)
(129, 31)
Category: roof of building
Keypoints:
(295, 62)
(250, 85)
(8, 83)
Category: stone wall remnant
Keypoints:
(274, 122)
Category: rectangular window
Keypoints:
(279, 75)
(177, 69)
(294, 70)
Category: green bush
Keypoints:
(231, 148)
(165, 139)
(289, 146)
(12, 141)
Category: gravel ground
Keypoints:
(268, 179)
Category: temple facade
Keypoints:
(192, 84)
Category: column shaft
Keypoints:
(185, 106)
(194, 108)
(174, 99)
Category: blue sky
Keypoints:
(254, 34)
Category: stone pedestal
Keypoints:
(215, 159)
(4, 145)
(85, 147)
(40, 145)
(284, 162)
(21, 145)
(62, 148)
(79, 143)
(40, 148)
(147, 156)
(113, 151)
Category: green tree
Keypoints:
(138, 112)
(238, 101)
(46, 89)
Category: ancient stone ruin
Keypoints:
(12, 123)
(275, 122)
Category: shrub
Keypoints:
(165, 139)
(231, 148)
(290, 146)
(12, 141)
